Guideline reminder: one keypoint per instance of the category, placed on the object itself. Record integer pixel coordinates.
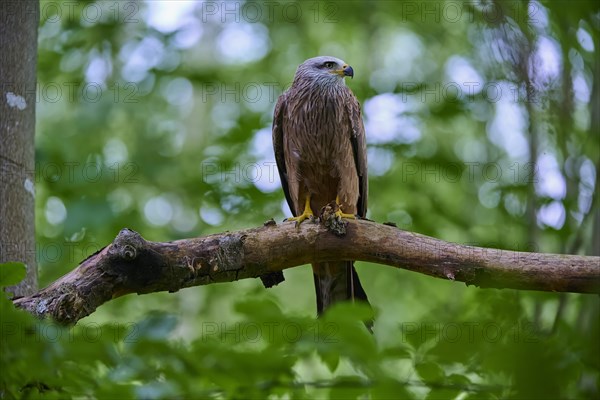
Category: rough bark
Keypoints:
(133, 265)
(18, 34)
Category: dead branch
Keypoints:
(131, 264)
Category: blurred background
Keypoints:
(482, 123)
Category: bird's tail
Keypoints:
(337, 281)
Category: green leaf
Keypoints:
(263, 309)
(349, 335)
(430, 372)
(396, 352)
(12, 273)
(458, 379)
(348, 312)
(331, 359)
(442, 394)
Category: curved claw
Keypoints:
(301, 218)
(340, 214)
(306, 214)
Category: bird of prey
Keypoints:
(320, 150)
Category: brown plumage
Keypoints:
(320, 149)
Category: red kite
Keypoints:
(320, 149)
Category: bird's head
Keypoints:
(325, 70)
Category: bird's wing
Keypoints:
(278, 147)
(359, 148)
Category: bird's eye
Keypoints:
(329, 64)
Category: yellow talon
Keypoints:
(339, 212)
(306, 214)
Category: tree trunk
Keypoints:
(18, 35)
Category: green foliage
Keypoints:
(266, 351)
(12, 273)
(170, 149)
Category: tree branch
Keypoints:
(130, 264)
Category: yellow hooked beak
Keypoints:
(346, 70)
